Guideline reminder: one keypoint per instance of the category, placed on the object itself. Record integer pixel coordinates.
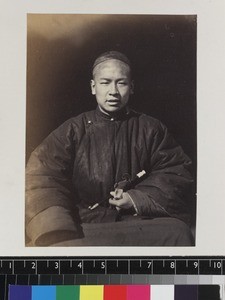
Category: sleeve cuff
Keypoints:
(134, 205)
(145, 205)
(52, 225)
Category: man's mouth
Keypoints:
(113, 101)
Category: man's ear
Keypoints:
(132, 87)
(93, 87)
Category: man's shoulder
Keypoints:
(80, 119)
(146, 119)
(74, 125)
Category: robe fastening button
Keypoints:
(112, 119)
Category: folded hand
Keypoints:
(120, 199)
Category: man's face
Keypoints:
(112, 85)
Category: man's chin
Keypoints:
(111, 109)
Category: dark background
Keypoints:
(61, 50)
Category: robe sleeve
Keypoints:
(49, 206)
(166, 190)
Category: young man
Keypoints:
(85, 183)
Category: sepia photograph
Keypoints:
(111, 130)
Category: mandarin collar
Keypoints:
(120, 115)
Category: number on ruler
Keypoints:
(149, 264)
(217, 265)
(172, 265)
(102, 265)
(56, 265)
(33, 265)
(195, 264)
(80, 265)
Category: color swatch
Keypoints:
(118, 292)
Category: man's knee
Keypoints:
(179, 232)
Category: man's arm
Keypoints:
(49, 209)
(165, 190)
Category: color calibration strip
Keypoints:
(118, 292)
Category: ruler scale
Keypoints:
(109, 265)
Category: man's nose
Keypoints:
(113, 89)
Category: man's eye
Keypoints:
(104, 82)
(122, 82)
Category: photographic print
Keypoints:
(111, 130)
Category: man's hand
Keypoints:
(120, 200)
